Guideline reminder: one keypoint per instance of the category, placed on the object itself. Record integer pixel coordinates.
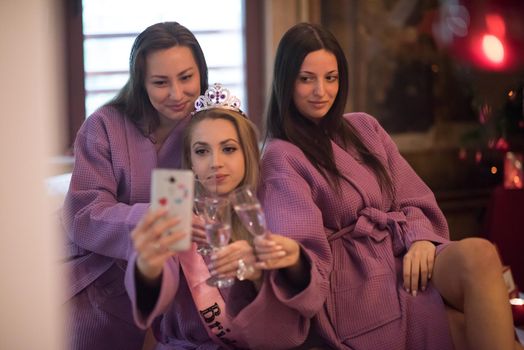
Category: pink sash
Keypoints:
(208, 300)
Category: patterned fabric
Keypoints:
(108, 194)
(354, 240)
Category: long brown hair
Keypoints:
(132, 100)
(248, 139)
(284, 121)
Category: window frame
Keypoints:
(253, 24)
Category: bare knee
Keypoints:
(479, 257)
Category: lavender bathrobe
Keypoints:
(175, 318)
(354, 243)
(109, 193)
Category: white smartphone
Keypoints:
(173, 189)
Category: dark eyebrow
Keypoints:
(229, 140)
(184, 72)
(198, 143)
(308, 72)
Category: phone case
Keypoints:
(173, 188)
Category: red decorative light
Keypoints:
(493, 48)
(495, 24)
(502, 144)
(478, 156)
(488, 34)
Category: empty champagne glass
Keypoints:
(218, 232)
(249, 210)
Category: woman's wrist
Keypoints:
(151, 278)
(298, 273)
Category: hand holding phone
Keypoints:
(173, 189)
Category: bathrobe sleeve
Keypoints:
(167, 291)
(288, 202)
(109, 190)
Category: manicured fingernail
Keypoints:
(414, 293)
(423, 288)
(407, 290)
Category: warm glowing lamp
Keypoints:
(493, 48)
(513, 172)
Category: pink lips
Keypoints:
(178, 107)
(219, 178)
(318, 104)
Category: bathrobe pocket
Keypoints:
(109, 294)
(364, 293)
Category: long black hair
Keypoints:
(132, 99)
(284, 121)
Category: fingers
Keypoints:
(267, 248)
(426, 270)
(410, 272)
(418, 266)
(415, 273)
(423, 274)
(147, 220)
(275, 251)
(198, 236)
(225, 262)
(198, 222)
(431, 264)
(151, 242)
(148, 236)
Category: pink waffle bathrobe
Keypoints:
(109, 193)
(354, 241)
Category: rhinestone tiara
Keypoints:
(217, 96)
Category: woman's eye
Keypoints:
(305, 79)
(186, 77)
(200, 151)
(159, 82)
(331, 78)
(229, 149)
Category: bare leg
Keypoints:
(468, 275)
(458, 328)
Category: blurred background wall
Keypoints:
(31, 99)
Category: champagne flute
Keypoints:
(249, 210)
(203, 189)
(199, 209)
(218, 232)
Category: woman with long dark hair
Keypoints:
(115, 150)
(375, 268)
